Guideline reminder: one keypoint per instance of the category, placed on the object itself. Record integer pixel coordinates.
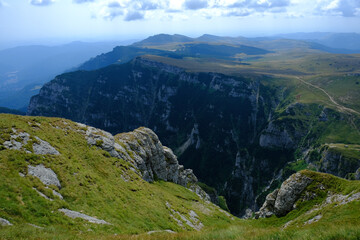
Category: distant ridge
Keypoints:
(163, 39)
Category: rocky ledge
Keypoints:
(143, 149)
(281, 201)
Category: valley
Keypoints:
(245, 117)
(222, 116)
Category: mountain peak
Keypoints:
(163, 39)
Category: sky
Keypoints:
(55, 21)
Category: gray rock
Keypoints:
(143, 149)
(17, 141)
(160, 231)
(73, 214)
(157, 161)
(314, 219)
(335, 163)
(57, 194)
(281, 201)
(274, 137)
(35, 226)
(43, 195)
(46, 175)
(248, 214)
(267, 209)
(4, 222)
(44, 147)
(289, 193)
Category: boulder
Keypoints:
(289, 193)
(73, 214)
(4, 222)
(143, 149)
(281, 201)
(46, 175)
(43, 147)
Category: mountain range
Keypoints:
(264, 129)
(242, 132)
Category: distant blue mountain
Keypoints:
(350, 41)
(23, 68)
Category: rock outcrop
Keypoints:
(189, 111)
(46, 175)
(143, 149)
(336, 163)
(4, 222)
(18, 141)
(43, 147)
(281, 201)
(73, 214)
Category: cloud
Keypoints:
(82, 1)
(345, 8)
(195, 4)
(181, 9)
(110, 15)
(148, 5)
(41, 2)
(260, 5)
(132, 16)
(114, 5)
(237, 14)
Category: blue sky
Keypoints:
(94, 20)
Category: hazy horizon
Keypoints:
(53, 22)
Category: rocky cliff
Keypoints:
(60, 174)
(309, 191)
(206, 118)
(239, 134)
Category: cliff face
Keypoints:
(312, 195)
(237, 134)
(341, 160)
(206, 118)
(76, 177)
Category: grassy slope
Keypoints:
(91, 183)
(136, 206)
(337, 222)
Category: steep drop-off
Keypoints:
(241, 135)
(62, 177)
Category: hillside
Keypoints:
(61, 178)
(65, 180)
(223, 127)
(23, 69)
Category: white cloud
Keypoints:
(42, 2)
(83, 1)
(132, 16)
(195, 4)
(345, 8)
(179, 9)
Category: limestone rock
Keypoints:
(143, 149)
(44, 147)
(17, 140)
(248, 214)
(101, 139)
(281, 201)
(73, 214)
(289, 192)
(275, 137)
(267, 209)
(4, 222)
(314, 219)
(46, 175)
(357, 174)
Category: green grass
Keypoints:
(91, 183)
